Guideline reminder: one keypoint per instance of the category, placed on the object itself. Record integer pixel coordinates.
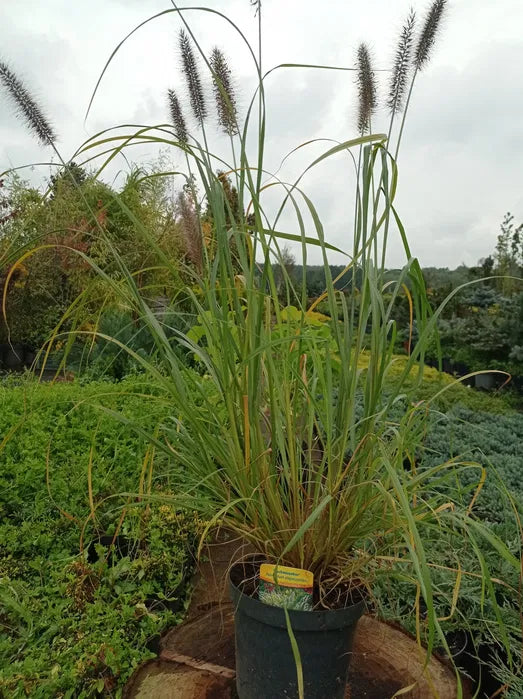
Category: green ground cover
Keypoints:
(74, 628)
(69, 627)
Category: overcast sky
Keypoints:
(461, 161)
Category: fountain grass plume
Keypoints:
(190, 227)
(192, 77)
(428, 34)
(400, 69)
(366, 88)
(224, 92)
(26, 106)
(177, 118)
(422, 53)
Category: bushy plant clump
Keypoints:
(492, 442)
(303, 445)
(75, 618)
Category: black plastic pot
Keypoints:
(155, 602)
(29, 357)
(265, 665)
(121, 546)
(446, 365)
(118, 547)
(485, 381)
(14, 357)
(473, 660)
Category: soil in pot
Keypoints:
(265, 665)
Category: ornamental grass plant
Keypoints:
(290, 431)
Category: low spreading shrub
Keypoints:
(493, 442)
(75, 618)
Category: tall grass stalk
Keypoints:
(291, 434)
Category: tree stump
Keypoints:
(196, 659)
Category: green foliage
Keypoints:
(106, 358)
(509, 253)
(58, 228)
(77, 217)
(481, 327)
(493, 442)
(55, 422)
(450, 391)
(69, 627)
(485, 331)
(296, 438)
(115, 347)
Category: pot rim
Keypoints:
(316, 620)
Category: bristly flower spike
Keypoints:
(190, 227)
(192, 76)
(177, 118)
(428, 33)
(224, 92)
(400, 69)
(422, 51)
(26, 106)
(366, 87)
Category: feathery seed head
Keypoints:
(428, 33)
(366, 87)
(190, 228)
(177, 117)
(224, 92)
(192, 76)
(400, 69)
(26, 106)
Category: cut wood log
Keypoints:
(198, 655)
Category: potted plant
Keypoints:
(290, 433)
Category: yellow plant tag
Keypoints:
(282, 586)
